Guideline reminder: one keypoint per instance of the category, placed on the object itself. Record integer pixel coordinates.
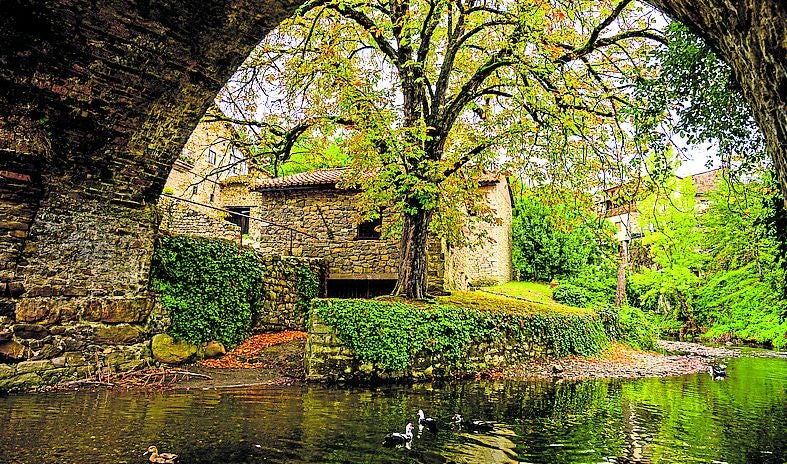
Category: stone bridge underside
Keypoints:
(98, 97)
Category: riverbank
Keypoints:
(620, 361)
(282, 364)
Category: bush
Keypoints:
(629, 325)
(571, 295)
(210, 287)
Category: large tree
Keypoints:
(425, 95)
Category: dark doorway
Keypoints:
(240, 217)
(359, 288)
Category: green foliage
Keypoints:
(555, 240)
(720, 272)
(209, 286)
(391, 333)
(598, 283)
(307, 286)
(629, 325)
(571, 295)
(737, 304)
(710, 105)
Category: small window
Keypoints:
(212, 196)
(370, 230)
(195, 190)
(212, 156)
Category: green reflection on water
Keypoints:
(683, 419)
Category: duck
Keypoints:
(473, 425)
(427, 422)
(163, 458)
(399, 439)
(717, 372)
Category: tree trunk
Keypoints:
(750, 36)
(620, 291)
(412, 281)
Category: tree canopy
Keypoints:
(426, 96)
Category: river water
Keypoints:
(681, 419)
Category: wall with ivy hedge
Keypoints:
(213, 290)
(368, 339)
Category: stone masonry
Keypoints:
(329, 359)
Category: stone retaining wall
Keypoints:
(285, 305)
(328, 359)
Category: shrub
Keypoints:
(570, 295)
(210, 287)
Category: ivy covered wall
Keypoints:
(211, 289)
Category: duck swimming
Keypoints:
(717, 372)
(163, 458)
(473, 425)
(399, 439)
(427, 422)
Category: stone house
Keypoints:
(619, 204)
(192, 202)
(308, 215)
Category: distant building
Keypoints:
(209, 157)
(619, 204)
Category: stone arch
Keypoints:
(96, 101)
(97, 97)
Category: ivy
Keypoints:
(210, 287)
(307, 286)
(390, 334)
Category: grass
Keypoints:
(512, 298)
(532, 291)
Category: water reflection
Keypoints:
(684, 419)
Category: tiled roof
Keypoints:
(303, 179)
(706, 181)
(330, 177)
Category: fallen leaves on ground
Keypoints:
(239, 357)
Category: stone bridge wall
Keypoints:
(329, 359)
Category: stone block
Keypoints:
(121, 334)
(214, 349)
(30, 331)
(75, 358)
(36, 310)
(21, 382)
(117, 310)
(7, 371)
(12, 351)
(34, 366)
(166, 350)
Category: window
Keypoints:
(370, 230)
(240, 218)
(238, 165)
(195, 190)
(212, 197)
(212, 156)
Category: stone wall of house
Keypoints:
(182, 219)
(486, 260)
(322, 223)
(329, 359)
(285, 297)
